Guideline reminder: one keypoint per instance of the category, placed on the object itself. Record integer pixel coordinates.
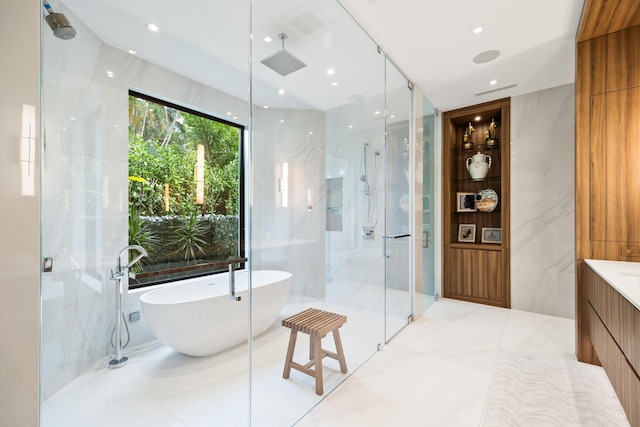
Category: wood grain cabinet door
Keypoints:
(615, 166)
(477, 276)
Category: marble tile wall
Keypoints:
(543, 201)
(349, 256)
(290, 238)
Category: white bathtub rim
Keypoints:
(241, 285)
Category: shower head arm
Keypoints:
(47, 7)
(283, 37)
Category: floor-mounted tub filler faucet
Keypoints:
(120, 273)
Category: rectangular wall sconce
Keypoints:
(283, 185)
(28, 150)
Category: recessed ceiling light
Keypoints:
(493, 82)
(282, 121)
(477, 30)
(350, 126)
(478, 118)
(110, 74)
(152, 27)
(392, 116)
(228, 113)
(334, 84)
(281, 91)
(235, 117)
(266, 106)
(331, 71)
(486, 56)
(310, 132)
(132, 52)
(72, 118)
(268, 39)
(376, 112)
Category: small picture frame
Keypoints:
(491, 235)
(467, 233)
(466, 202)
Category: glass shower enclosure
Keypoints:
(325, 156)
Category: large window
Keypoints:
(185, 190)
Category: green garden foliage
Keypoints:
(162, 151)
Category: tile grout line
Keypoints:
(493, 369)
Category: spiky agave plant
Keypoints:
(140, 233)
(190, 236)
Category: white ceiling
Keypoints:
(433, 43)
(430, 41)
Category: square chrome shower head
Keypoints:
(283, 62)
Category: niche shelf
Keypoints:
(476, 269)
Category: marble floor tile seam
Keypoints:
(426, 380)
(436, 328)
(501, 352)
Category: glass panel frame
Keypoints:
(399, 163)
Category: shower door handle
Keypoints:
(232, 277)
(392, 237)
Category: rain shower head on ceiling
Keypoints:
(283, 62)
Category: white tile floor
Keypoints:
(461, 364)
(467, 365)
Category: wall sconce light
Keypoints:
(283, 184)
(309, 200)
(28, 150)
(199, 175)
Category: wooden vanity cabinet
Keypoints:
(614, 329)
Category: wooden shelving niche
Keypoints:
(476, 269)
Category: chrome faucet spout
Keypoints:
(142, 253)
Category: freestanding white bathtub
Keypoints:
(196, 316)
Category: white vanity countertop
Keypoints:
(622, 276)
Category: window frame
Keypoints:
(241, 194)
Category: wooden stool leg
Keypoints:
(311, 345)
(340, 351)
(317, 358)
(292, 346)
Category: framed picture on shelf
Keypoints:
(466, 202)
(491, 235)
(467, 233)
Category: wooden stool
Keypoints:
(316, 323)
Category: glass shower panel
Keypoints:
(398, 205)
(317, 192)
(429, 124)
(197, 59)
